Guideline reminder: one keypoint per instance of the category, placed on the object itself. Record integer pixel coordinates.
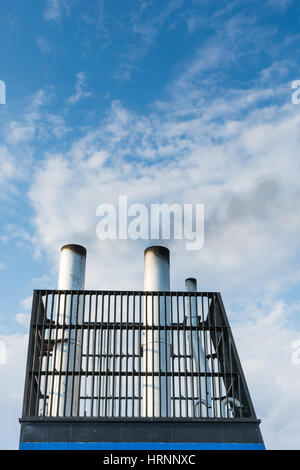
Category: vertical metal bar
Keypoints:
(83, 340)
(40, 357)
(127, 352)
(173, 352)
(30, 356)
(74, 357)
(159, 355)
(152, 355)
(104, 358)
(217, 352)
(113, 356)
(32, 401)
(133, 358)
(192, 351)
(146, 351)
(166, 358)
(206, 352)
(67, 381)
(54, 355)
(198, 377)
(61, 355)
(87, 359)
(48, 352)
(120, 359)
(231, 373)
(185, 357)
(140, 361)
(94, 355)
(179, 356)
(100, 382)
(107, 356)
(212, 362)
(224, 370)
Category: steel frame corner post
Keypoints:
(29, 400)
(236, 364)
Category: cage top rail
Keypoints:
(126, 292)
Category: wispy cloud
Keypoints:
(9, 171)
(80, 89)
(43, 45)
(23, 319)
(56, 9)
(35, 123)
(26, 303)
(280, 4)
(145, 28)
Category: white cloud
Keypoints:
(280, 4)
(240, 180)
(56, 9)
(23, 319)
(21, 129)
(8, 171)
(80, 91)
(264, 342)
(57, 125)
(12, 375)
(26, 303)
(20, 236)
(19, 137)
(145, 26)
(43, 45)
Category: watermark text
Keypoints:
(160, 221)
(2, 92)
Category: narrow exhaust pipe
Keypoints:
(156, 344)
(67, 346)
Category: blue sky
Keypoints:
(174, 101)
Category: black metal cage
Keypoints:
(90, 355)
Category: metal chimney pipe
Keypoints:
(191, 284)
(200, 363)
(157, 269)
(156, 344)
(72, 267)
(67, 349)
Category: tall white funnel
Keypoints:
(200, 364)
(72, 267)
(67, 347)
(156, 347)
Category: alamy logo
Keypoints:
(2, 92)
(296, 94)
(163, 221)
(2, 352)
(296, 353)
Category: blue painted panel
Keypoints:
(139, 446)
